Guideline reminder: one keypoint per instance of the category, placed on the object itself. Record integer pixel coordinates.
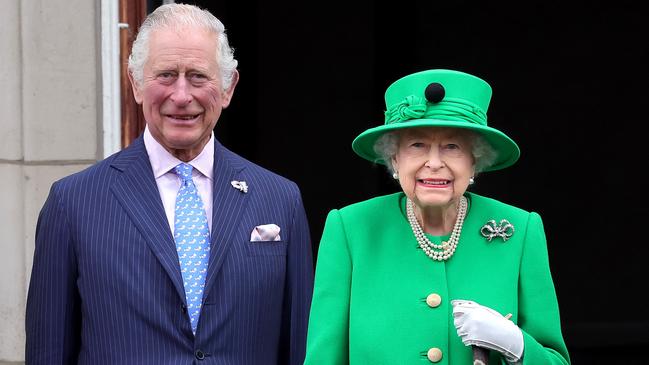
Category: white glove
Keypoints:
(482, 326)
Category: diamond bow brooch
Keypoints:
(503, 230)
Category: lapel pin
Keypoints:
(503, 230)
(240, 185)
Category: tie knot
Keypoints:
(184, 171)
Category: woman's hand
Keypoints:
(478, 325)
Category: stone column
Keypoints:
(50, 128)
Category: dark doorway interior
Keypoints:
(570, 84)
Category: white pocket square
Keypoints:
(265, 232)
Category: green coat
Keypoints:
(372, 280)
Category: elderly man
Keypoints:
(174, 250)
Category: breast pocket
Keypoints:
(267, 248)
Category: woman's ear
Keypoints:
(395, 163)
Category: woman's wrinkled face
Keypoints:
(434, 164)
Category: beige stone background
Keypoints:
(51, 126)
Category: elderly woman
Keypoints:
(425, 274)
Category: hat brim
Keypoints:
(507, 150)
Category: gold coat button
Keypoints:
(433, 300)
(434, 354)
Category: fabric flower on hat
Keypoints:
(412, 107)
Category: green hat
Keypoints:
(439, 98)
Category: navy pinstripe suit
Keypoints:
(106, 286)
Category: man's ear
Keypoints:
(137, 94)
(227, 94)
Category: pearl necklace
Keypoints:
(447, 248)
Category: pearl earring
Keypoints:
(395, 175)
(471, 180)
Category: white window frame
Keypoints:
(110, 75)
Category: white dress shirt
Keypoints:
(168, 182)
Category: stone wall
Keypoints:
(50, 127)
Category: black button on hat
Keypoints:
(434, 92)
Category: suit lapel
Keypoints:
(227, 206)
(137, 192)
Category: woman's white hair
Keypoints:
(387, 145)
(178, 16)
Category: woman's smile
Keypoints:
(433, 183)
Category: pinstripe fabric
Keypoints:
(106, 286)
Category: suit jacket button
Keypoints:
(184, 308)
(434, 354)
(433, 300)
(200, 355)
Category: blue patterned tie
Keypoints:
(192, 237)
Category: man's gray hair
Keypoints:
(177, 16)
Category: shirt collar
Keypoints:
(162, 161)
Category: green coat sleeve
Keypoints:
(328, 332)
(542, 327)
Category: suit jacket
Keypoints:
(372, 283)
(106, 286)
